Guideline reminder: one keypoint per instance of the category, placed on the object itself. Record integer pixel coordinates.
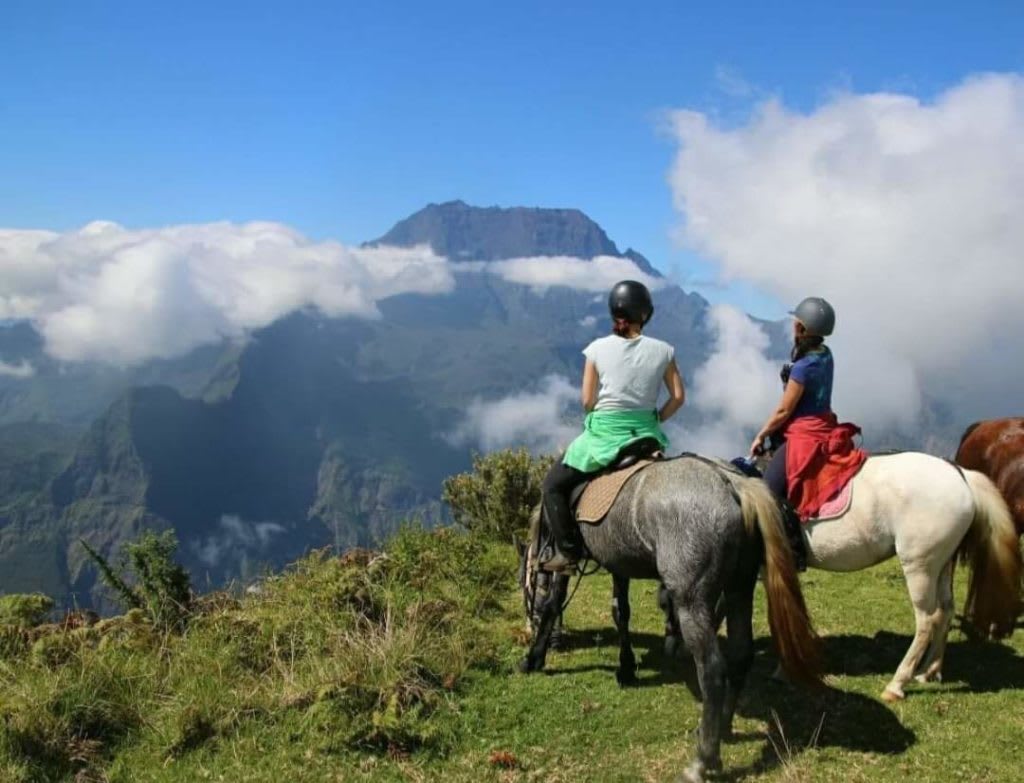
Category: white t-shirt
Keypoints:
(630, 371)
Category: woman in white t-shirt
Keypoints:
(622, 376)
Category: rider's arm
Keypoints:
(676, 392)
(790, 397)
(588, 391)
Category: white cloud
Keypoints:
(905, 214)
(598, 274)
(588, 321)
(735, 389)
(234, 537)
(21, 370)
(123, 296)
(539, 420)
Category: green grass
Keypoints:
(405, 671)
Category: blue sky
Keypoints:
(341, 118)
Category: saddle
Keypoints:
(835, 506)
(591, 500)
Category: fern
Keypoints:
(110, 578)
(162, 589)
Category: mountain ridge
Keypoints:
(321, 431)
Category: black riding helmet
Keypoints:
(632, 301)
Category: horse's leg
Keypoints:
(549, 613)
(923, 588)
(697, 625)
(721, 611)
(932, 663)
(739, 646)
(673, 636)
(626, 673)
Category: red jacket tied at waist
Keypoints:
(820, 459)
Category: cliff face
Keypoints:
(320, 431)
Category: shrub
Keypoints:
(14, 641)
(496, 498)
(24, 611)
(363, 652)
(162, 587)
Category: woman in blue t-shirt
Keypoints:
(622, 376)
(806, 402)
(807, 384)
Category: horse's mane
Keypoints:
(967, 433)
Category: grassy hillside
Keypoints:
(401, 667)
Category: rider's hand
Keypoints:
(757, 446)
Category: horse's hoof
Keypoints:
(526, 666)
(671, 646)
(929, 676)
(892, 696)
(693, 773)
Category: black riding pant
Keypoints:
(776, 479)
(775, 473)
(558, 485)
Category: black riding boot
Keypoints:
(795, 534)
(558, 484)
(565, 534)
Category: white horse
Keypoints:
(927, 511)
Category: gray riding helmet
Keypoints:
(816, 315)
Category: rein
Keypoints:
(533, 571)
(580, 573)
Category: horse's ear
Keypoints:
(520, 547)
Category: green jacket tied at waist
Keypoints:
(604, 435)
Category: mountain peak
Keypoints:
(462, 232)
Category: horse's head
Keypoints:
(529, 575)
(534, 583)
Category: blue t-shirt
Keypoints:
(814, 371)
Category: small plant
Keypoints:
(792, 772)
(24, 611)
(162, 587)
(496, 498)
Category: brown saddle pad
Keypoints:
(600, 493)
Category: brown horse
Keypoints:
(996, 448)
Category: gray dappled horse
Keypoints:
(704, 530)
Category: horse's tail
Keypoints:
(992, 549)
(798, 645)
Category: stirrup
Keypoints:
(559, 563)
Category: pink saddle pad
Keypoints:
(837, 505)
